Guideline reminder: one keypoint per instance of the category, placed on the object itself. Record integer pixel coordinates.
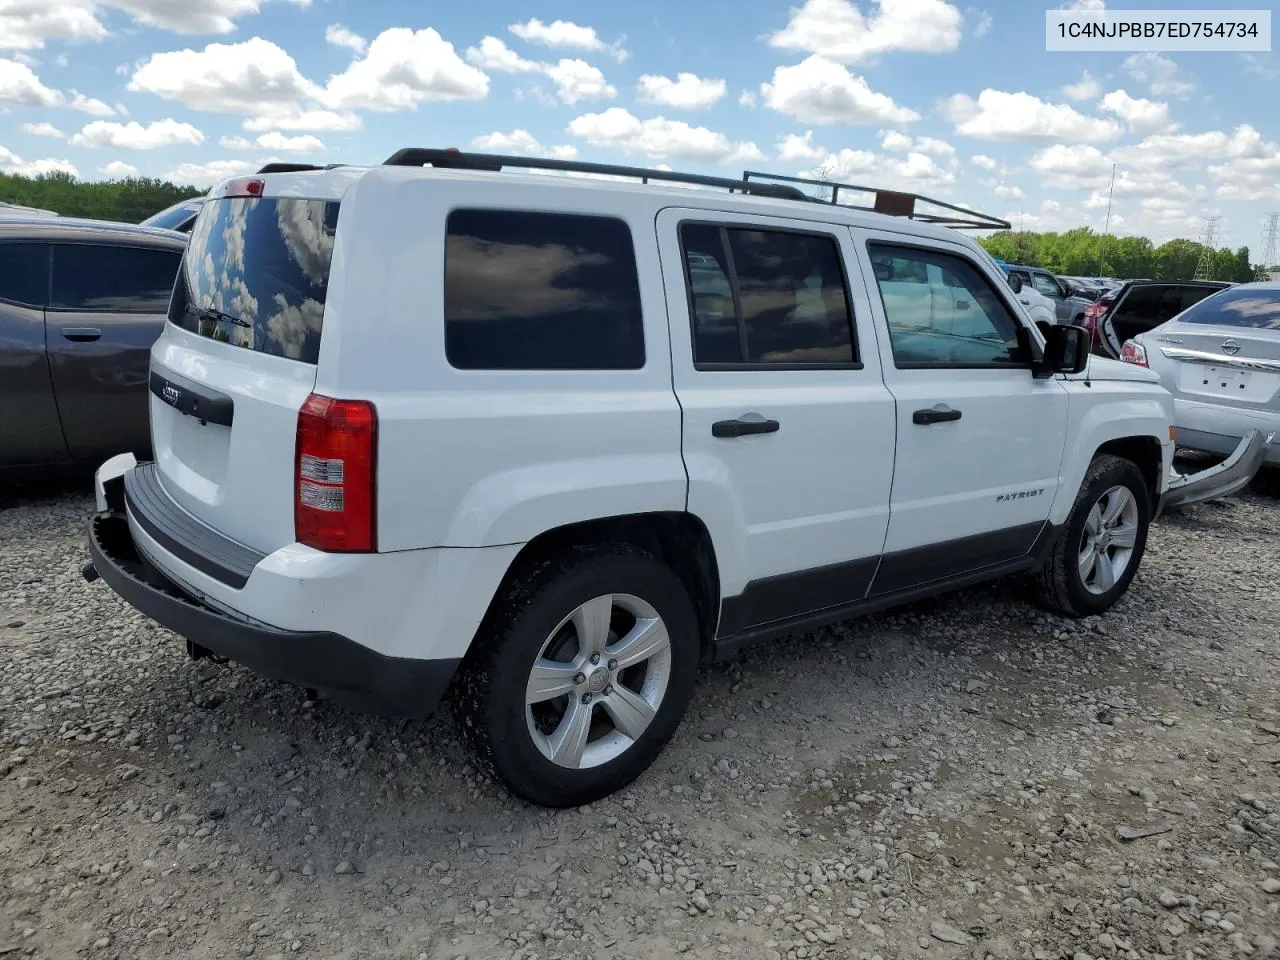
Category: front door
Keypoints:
(107, 309)
(979, 440)
(788, 428)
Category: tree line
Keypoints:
(1083, 253)
(129, 200)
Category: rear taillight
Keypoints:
(334, 475)
(1093, 315)
(1134, 352)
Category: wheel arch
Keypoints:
(1144, 452)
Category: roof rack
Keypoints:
(453, 159)
(891, 202)
(286, 167)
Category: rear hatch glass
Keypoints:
(256, 274)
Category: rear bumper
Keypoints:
(1231, 476)
(1218, 429)
(346, 671)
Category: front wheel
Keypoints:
(581, 677)
(1098, 552)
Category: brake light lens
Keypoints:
(1134, 352)
(1093, 315)
(242, 187)
(335, 475)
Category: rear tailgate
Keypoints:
(239, 356)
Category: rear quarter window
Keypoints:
(541, 291)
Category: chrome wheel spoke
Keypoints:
(1124, 535)
(1088, 561)
(646, 639)
(1093, 522)
(1117, 500)
(630, 712)
(549, 680)
(570, 738)
(1106, 572)
(591, 621)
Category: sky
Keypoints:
(955, 100)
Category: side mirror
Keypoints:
(1066, 349)
(1015, 283)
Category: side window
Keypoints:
(966, 324)
(113, 279)
(1046, 285)
(541, 291)
(24, 273)
(766, 297)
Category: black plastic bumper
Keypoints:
(342, 669)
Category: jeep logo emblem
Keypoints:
(171, 394)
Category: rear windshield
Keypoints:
(256, 272)
(1241, 307)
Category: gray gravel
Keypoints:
(965, 778)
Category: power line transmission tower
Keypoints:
(1209, 240)
(1270, 236)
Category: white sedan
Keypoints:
(1220, 358)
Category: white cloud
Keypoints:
(660, 138)
(565, 33)
(18, 84)
(1006, 191)
(800, 148)
(578, 81)
(276, 141)
(207, 174)
(746, 99)
(298, 118)
(998, 115)
(1141, 116)
(898, 142)
(119, 170)
(982, 26)
(1086, 89)
(983, 161)
(27, 25)
(43, 130)
(916, 172)
(1072, 167)
(494, 54)
(403, 68)
(818, 90)
(1159, 73)
(91, 106)
(840, 31)
(1171, 151)
(687, 91)
(339, 36)
(521, 143)
(253, 78)
(10, 162)
(1086, 5)
(1249, 178)
(134, 136)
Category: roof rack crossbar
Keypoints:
(456, 160)
(285, 166)
(893, 202)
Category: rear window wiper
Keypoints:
(208, 313)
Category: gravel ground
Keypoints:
(967, 777)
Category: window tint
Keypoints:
(1150, 304)
(790, 304)
(177, 217)
(1046, 285)
(932, 322)
(257, 274)
(24, 273)
(541, 291)
(113, 279)
(1254, 307)
(1193, 295)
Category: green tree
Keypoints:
(129, 200)
(1081, 252)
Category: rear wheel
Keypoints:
(582, 676)
(1097, 555)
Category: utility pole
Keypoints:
(1270, 236)
(1106, 229)
(1209, 240)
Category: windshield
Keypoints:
(256, 273)
(1256, 307)
(172, 218)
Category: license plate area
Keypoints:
(1228, 383)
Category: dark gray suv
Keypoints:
(81, 303)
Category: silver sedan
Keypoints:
(1220, 358)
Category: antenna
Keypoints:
(1209, 240)
(1270, 236)
(1107, 228)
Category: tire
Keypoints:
(531, 748)
(1068, 582)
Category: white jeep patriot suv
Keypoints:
(548, 443)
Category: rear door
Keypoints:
(238, 360)
(106, 309)
(30, 432)
(788, 427)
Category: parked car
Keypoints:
(81, 303)
(180, 217)
(1220, 358)
(1039, 307)
(9, 211)
(1067, 308)
(515, 441)
(1138, 306)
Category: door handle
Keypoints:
(81, 334)
(745, 425)
(936, 414)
